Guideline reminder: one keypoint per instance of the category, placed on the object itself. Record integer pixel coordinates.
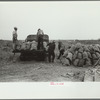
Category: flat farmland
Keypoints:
(14, 70)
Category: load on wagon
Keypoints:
(29, 48)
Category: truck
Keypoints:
(33, 54)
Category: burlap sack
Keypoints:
(94, 61)
(75, 62)
(85, 55)
(90, 47)
(89, 77)
(94, 56)
(81, 50)
(98, 45)
(28, 46)
(69, 56)
(79, 55)
(33, 45)
(72, 49)
(89, 55)
(65, 53)
(23, 46)
(78, 45)
(45, 44)
(86, 48)
(96, 48)
(97, 54)
(65, 61)
(81, 62)
(75, 55)
(88, 62)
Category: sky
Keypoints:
(66, 20)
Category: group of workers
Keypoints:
(78, 55)
(40, 33)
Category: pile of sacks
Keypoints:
(81, 55)
(29, 45)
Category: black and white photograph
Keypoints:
(50, 41)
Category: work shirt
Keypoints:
(62, 47)
(40, 35)
(59, 45)
(15, 34)
(40, 32)
(51, 47)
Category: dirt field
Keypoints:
(38, 71)
(14, 70)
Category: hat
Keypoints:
(39, 29)
(15, 28)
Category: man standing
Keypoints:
(40, 39)
(51, 53)
(59, 45)
(15, 37)
(61, 48)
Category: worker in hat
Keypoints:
(59, 45)
(61, 48)
(14, 37)
(40, 34)
(51, 53)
